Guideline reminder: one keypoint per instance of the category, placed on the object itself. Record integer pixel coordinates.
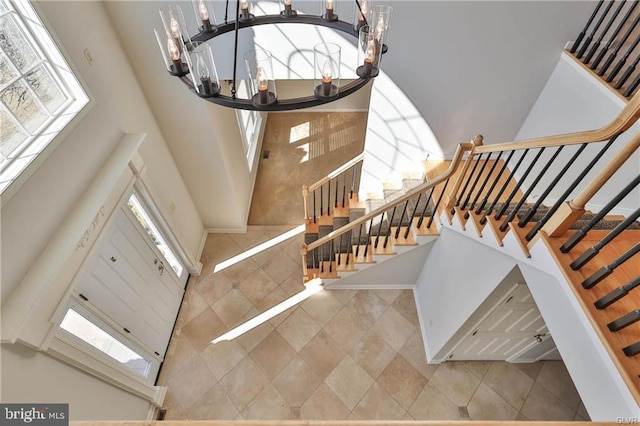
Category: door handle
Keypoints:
(539, 337)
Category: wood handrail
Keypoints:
(621, 123)
(457, 158)
(343, 168)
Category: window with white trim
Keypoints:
(39, 94)
(250, 123)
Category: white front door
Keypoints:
(128, 281)
(513, 326)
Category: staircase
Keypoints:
(487, 193)
(378, 228)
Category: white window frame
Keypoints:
(38, 145)
(250, 135)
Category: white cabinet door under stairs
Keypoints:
(128, 282)
(513, 326)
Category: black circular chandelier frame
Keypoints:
(232, 101)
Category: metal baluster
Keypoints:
(607, 270)
(632, 87)
(359, 239)
(624, 321)
(532, 186)
(404, 210)
(621, 43)
(627, 73)
(605, 49)
(329, 198)
(314, 206)
(340, 248)
(344, 188)
(494, 183)
(475, 182)
(366, 247)
(503, 188)
(632, 350)
(321, 201)
(518, 185)
(413, 213)
(586, 27)
(466, 184)
(353, 180)
(590, 253)
(604, 32)
(426, 206)
(388, 234)
(622, 61)
(582, 232)
(332, 256)
(617, 294)
(569, 190)
(532, 211)
(337, 186)
(587, 41)
(486, 179)
(435, 208)
(349, 248)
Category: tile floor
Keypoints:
(341, 354)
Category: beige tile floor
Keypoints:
(341, 354)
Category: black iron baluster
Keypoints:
(314, 206)
(475, 182)
(388, 234)
(359, 239)
(623, 61)
(628, 73)
(590, 253)
(321, 201)
(435, 208)
(621, 43)
(624, 321)
(466, 184)
(404, 210)
(519, 183)
(632, 350)
(486, 179)
(605, 49)
(587, 41)
(532, 211)
(332, 256)
(366, 247)
(582, 232)
(329, 198)
(569, 190)
(632, 87)
(413, 214)
(426, 206)
(616, 294)
(586, 27)
(604, 32)
(349, 247)
(340, 248)
(532, 186)
(503, 188)
(335, 205)
(344, 188)
(494, 183)
(607, 270)
(321, 262)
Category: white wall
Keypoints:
(29, 376)
(457, 277)
(572, 101)
(31, 216)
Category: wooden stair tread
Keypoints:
(614, 341)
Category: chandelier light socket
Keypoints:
(329, 12)
(205, 17)
(381, 23)
(203, 72)
(171, 54)
(246, 9)
(260, 70)
(286, 9)
(369, 52)
(362, 14)
(326, 81)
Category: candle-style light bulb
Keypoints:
(368, 58)
(244, 6)
(174, 52)
(175, 27)
(329, 10)
(263, 85)
(327, 76)
(204, 15)
(205, 74)
(287, 7)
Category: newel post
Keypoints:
(305, 272)
(305, 196)
(450, 201)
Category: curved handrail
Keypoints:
(621, 123)
(457, 158)
(343, 168)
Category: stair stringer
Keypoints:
(371, 276)
(598, 381)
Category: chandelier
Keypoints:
(191, 59)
